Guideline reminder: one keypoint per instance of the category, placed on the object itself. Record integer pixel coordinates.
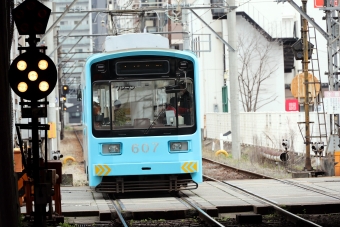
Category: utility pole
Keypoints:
(58, 91)
(52, 108)
(333, 53)
(308, 163)
(169, 26)
(186, 38)
(234, 87)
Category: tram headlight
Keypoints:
(176, 146)
(113, 148)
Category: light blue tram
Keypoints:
(141, 117)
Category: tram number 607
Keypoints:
(144, 147)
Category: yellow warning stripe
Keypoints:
(189, 167)
(102, 170)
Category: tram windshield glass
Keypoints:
(143, 104)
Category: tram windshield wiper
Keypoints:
(153, 123)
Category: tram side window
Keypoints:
(182, 104)
(101, 106)
(186, 102)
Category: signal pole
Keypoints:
(33, 76)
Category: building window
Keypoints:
(76, 22)
(196, 46)
(79, 50)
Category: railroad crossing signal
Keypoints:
(284, 157)
(318, 148)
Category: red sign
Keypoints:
(292, 105)
(321, 3)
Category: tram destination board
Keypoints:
(142, 67)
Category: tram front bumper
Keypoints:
(125, 169)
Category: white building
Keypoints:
(271, 25)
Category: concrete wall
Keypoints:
(265, 129)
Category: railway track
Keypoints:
(115, 209)
(224, 172)
(202, 214)
(253, 175)
(291, 216)
(79, 140)
(125, 220)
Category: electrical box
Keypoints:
(52, 133)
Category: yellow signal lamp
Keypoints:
(42, 64)
(65, 89)
(32, 75)
(21, 65)
(43, 86)
(22, 87)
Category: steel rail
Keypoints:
(307, 188)
(288, 214)
(206, 217)
(81, 144)
(268, 177)
(239, 170)
(121, 218)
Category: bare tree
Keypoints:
(256, 67)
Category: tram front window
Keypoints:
(143, 105)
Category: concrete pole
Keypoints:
(185, 25)
(52, 144)
(234, 87)
(308, 163)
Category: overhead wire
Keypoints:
(213, 21)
